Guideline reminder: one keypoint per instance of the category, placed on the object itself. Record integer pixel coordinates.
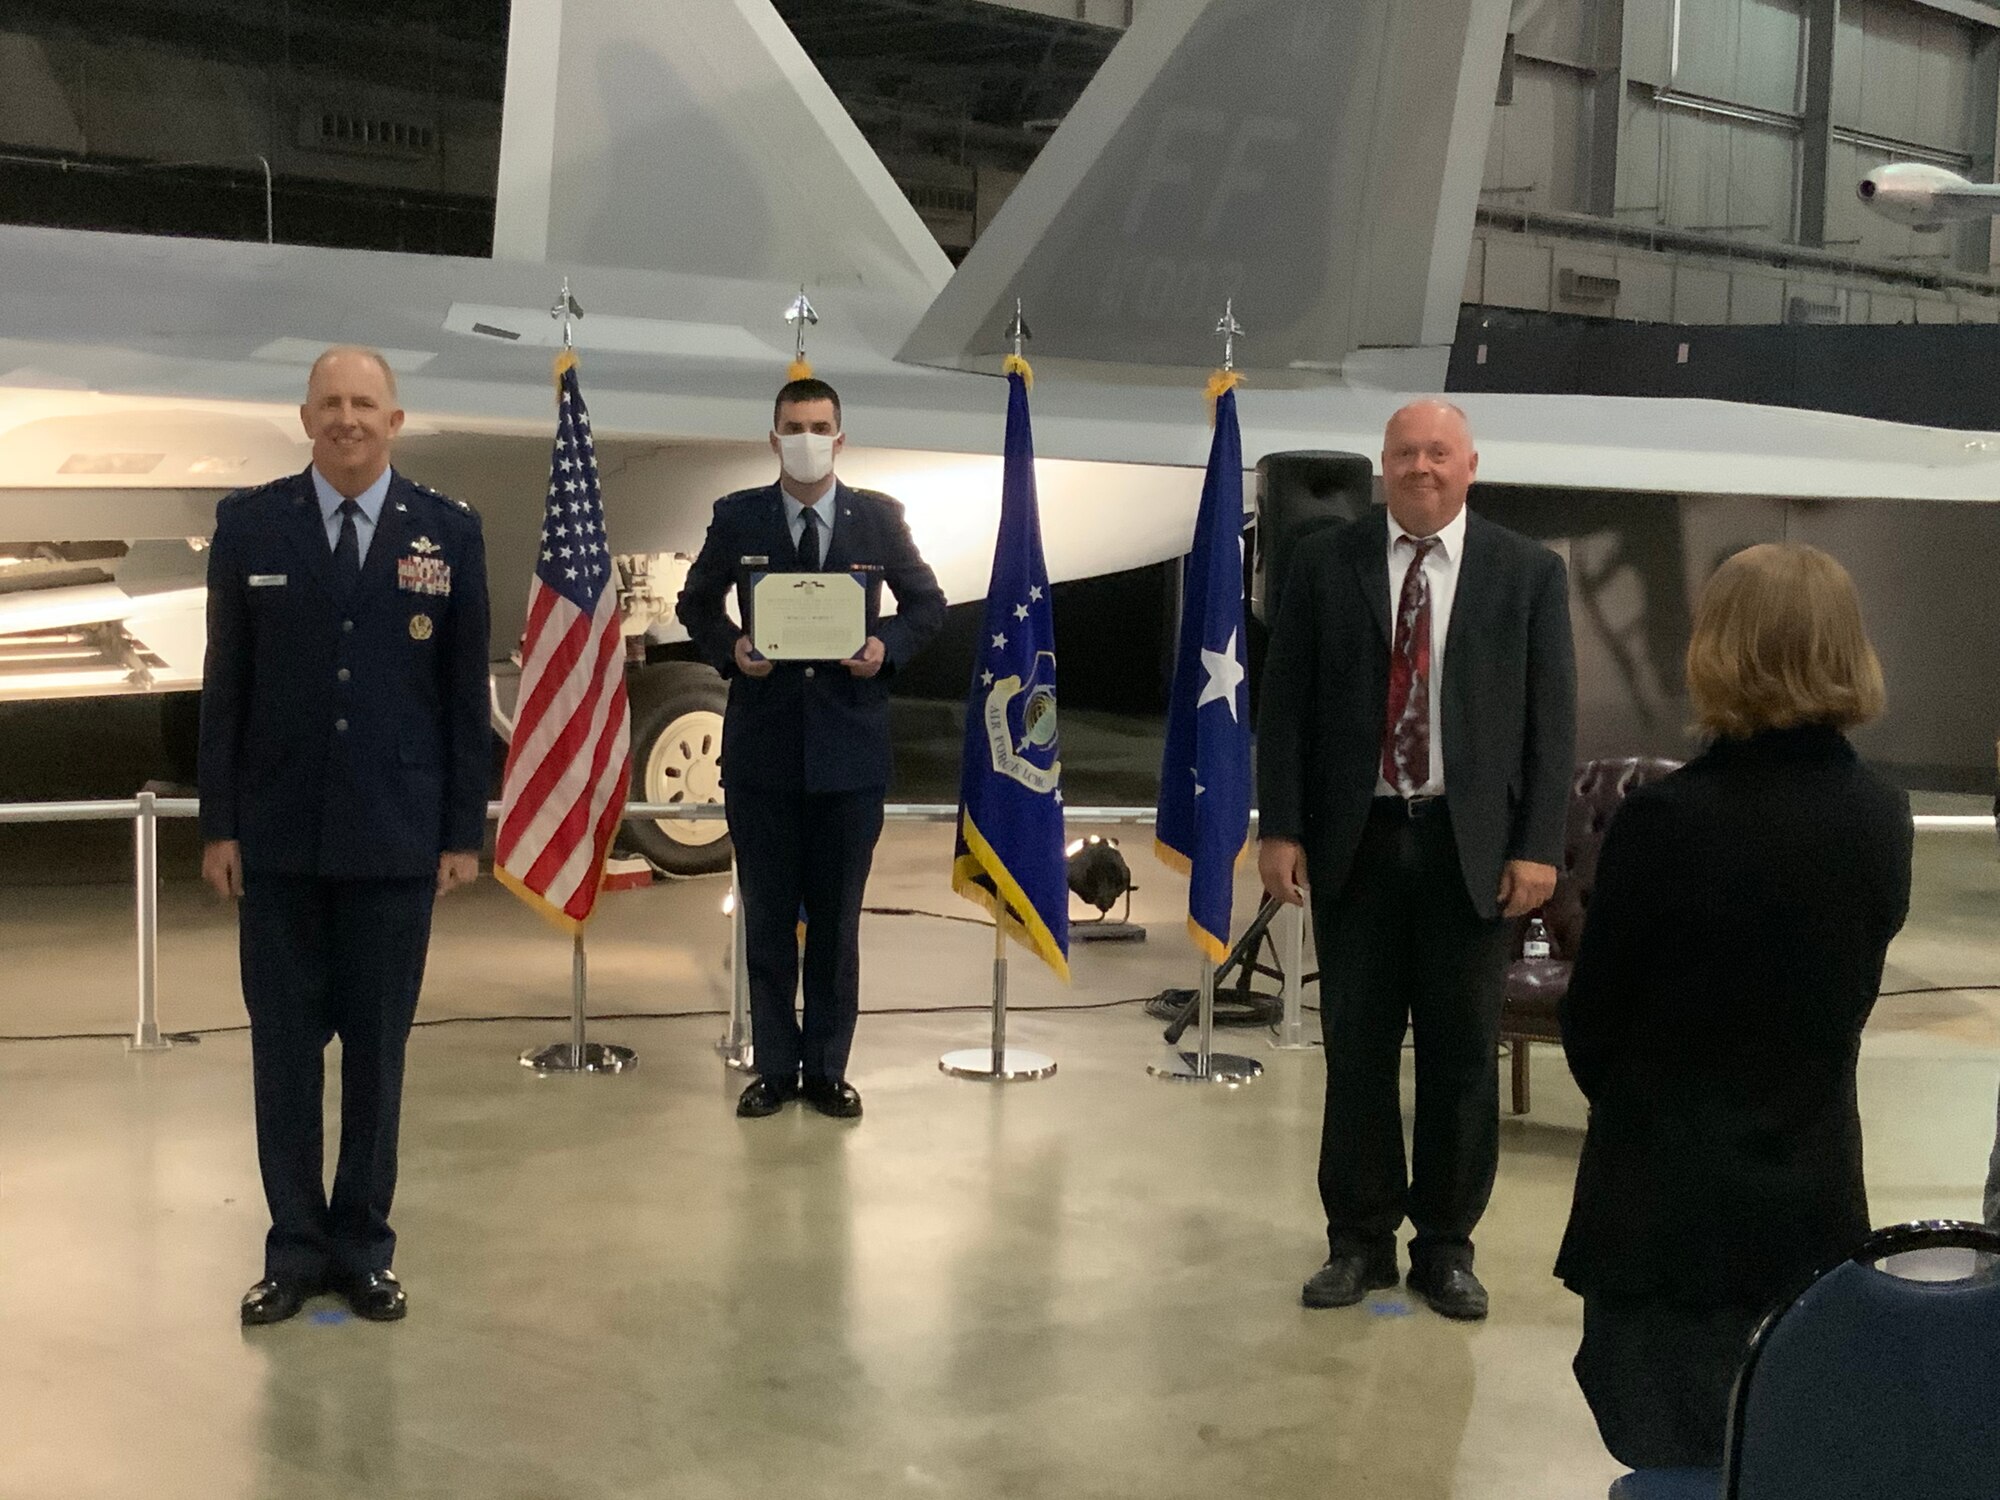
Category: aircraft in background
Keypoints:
(685, 168)
(1926, 197)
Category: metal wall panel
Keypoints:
(1646, 288)
(1536, 155)
(1742, 51)
(1903, 73)
(1648, 41)
(1756, 299)
(1701, 295)
(1517, 273)
(1561, 29)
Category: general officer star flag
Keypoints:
(1009, 857)
(1204, 816)
(570, 759)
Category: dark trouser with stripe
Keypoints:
(327, 958)
(803, 852)
(1400, 946)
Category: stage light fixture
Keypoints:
(1099, 876)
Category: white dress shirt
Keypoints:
(370, 500)
(1441, 569)
(822, 509)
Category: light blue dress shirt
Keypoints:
(822, 508)
(370, 500)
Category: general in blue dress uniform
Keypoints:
(345, 756)
(805, 746)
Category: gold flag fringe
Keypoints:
(1218, 383)
(1015, 365)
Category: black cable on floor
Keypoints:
(197, 1033)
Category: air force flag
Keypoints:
(1204, 818)
(1009, 854)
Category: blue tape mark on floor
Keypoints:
(1389, 1307)
(330, 1315)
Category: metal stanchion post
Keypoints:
(734, 1045)
(577, 1055)
(1292, 1036)
(1206, 1065)
(146, 881)
(997, 1062)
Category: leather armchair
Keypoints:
(1535, 987)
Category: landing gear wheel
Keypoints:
(677, 759)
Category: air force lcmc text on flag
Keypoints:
(1009, 854)
(1204, 816)
(571, 755)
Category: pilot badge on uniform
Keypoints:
(420, 627)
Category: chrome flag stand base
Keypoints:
(597, 1057)
(1205, 1065)
(1016, 1064)
(576, 1055)
(997, 1062)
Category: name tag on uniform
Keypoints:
(423, 575)
(758, 561)
(267, 580)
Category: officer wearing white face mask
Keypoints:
(805, 746)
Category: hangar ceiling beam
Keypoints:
(1607, 105)
(1822, 18)
(1978, 243)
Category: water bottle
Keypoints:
(1536, 944)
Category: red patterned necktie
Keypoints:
(1406, 736)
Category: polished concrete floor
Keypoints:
(1080, 1288)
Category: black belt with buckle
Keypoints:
(1413, 807)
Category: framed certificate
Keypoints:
(808, 616)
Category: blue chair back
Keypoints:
(1871, 1385)
(1668, 1484)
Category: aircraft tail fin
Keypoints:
(1318, 161)
(694, 136)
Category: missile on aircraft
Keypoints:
(1926, 197)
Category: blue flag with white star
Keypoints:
(1204, 817)
(1009, 854)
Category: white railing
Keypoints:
(145, 810)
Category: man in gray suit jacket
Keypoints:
(1417, 762)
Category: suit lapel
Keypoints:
(1369, 557)
(305, 527)
(1469, 597)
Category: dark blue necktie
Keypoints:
(809, 540)
(347, 551)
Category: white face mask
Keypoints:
(807, 456)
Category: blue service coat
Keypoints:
(808, 728)
(346, 739)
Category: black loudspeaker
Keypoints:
(1298, 494)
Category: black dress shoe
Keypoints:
(766, 1097)
(376, 1296)
(1348, 1277)
(275, 1299)
(1452, 1291)
(833, 1096)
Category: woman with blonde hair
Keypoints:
(1732, 954)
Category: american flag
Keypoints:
(571, 755)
